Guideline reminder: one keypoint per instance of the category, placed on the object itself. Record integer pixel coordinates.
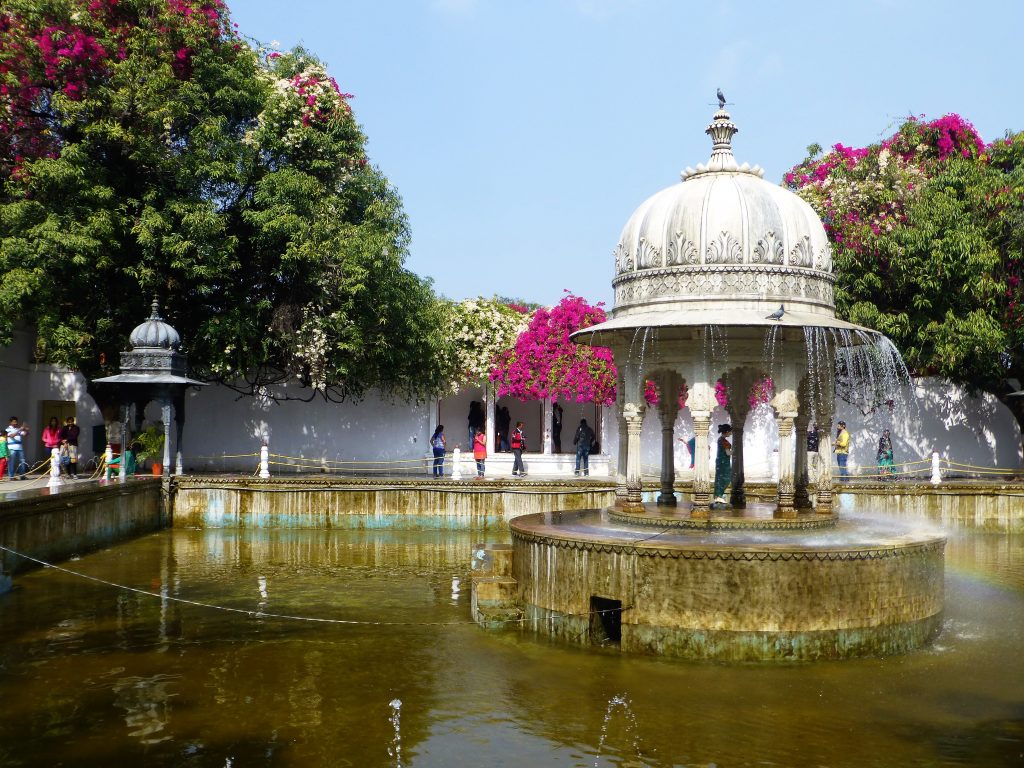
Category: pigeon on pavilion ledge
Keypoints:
(778, 313)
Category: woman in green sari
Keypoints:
(723, 464)
(885, 463)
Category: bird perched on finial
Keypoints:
(721, 99)
(778, 313)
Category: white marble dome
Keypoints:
(154, 333)
(724, 239)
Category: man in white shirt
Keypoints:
(16, 448)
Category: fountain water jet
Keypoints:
(726, 276)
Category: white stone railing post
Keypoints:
(456, 464)
(108, 456)
(936, 472)
(264, 462)
(55, 479)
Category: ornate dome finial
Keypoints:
(721, 130)
(154, 333)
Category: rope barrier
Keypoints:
(38, 472)
(976, 466)
(226, 456)
(259, 614)
(320, 469)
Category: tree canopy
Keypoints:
(926, 230)
(147, 148)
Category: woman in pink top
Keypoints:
(51, 435)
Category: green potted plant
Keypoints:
(149, 444)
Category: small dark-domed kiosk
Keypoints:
(153, 369)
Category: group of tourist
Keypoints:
(585, 442)
(883, 456)
(63, 438)
(841, 448)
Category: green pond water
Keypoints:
(91, 675)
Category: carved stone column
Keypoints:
(490, 428)
(122, 471)
(801, 498)
(786, 406)
(620, 421)
(668, 409)
(739, 382)
(634, 416)
(738, 493)
(701, 399)
(165, 410)
(825, 467)
(826, 408)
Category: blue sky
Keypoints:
(522, 134)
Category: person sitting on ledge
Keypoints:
(114, 465)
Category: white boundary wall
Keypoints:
(971, 430)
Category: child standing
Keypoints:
(67, 458)
(3, 456)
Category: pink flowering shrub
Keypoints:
(721, 394)
(652, 398)
(863, 192)
(544, 363)
(762, 391)
(650, 393)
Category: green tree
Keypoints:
(927, 242)
(146, 148)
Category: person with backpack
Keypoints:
(518, 443)
(437, 443)
(584, 441)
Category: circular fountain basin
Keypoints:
(861, 587)
(753, 517)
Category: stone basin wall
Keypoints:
(776, 601)
(357, 503)
(996, 507)
(979, 504)
(54, 526)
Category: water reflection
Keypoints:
(91, 676)
(146, 705)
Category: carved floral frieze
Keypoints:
(724, 248)
(768, 250)
(774, 281)
(681, 251)
(648, 255)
